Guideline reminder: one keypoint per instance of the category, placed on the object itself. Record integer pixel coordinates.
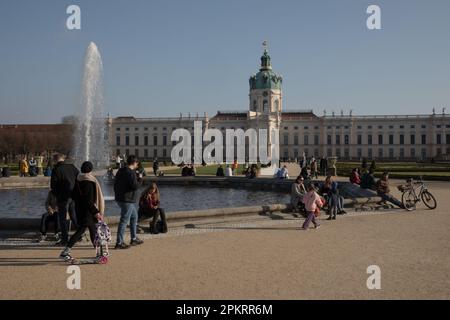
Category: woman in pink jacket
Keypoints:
(312, 202)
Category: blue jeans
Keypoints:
(128, 213)
(391, 199)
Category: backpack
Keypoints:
(161, 227)
(102, 234)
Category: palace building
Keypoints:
(348, 137)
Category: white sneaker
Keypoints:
(65, 255)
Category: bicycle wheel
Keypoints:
(429, 200)
(409, 200)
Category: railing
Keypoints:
(416, 116)
(158, 119)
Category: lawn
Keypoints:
(203, 170)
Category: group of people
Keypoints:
(312, 167)
(327, 192)
(227, 172)
(232, 170)
(366, 180)
(76, 200)
(188, 170)
(30, 168)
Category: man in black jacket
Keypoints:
(126, 185)
(62, 183)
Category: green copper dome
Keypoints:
(265, 78)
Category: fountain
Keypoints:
(91, 135)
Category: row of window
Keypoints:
(370, 139)
(137, 140)
(369, 127)
(145, 129)
(337, 140)
(345, 153)
(146, 153)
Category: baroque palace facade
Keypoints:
(348, 137)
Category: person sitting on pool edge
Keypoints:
(368, 180)
(383, 191)
(149, 206)
(220, 172)
(51, 215)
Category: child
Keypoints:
(50, 216)
(312, 201)
(334, 201)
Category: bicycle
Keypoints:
(414, 192)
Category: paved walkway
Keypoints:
(254, 257)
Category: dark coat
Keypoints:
(368, 181)
(126, 185)
(85, 197)
(219, 172)
(63, 179)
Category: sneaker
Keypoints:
(42, 238)
(334, 218)
(343, 212)
(136, 242)
(121, 246)
(65, 255)
(317, 227)
(329, 218)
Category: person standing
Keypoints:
(155, 167)
(312, 202)
(23, 167)
(62, 183)
(89, 204)
(125, 190)
(334, 201)
(314, 169)
(325, 166)
(234, 167)
(32, 167)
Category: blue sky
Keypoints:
(163, 57)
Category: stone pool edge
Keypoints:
(21, 224)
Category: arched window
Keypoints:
(265, 106)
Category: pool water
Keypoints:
(29, 203)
